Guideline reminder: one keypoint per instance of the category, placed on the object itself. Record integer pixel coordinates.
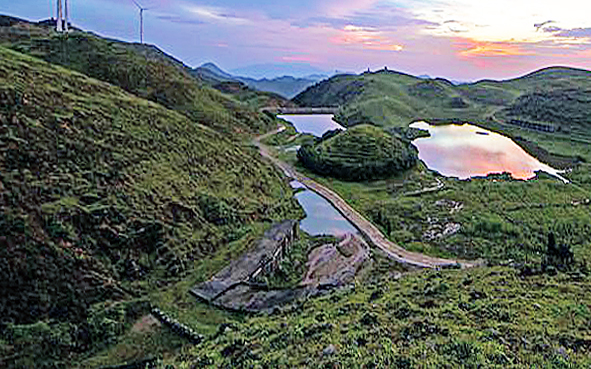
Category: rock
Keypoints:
(451, 229)
(329, 350)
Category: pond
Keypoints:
(315, 124)
(321, 217)
(466, 151)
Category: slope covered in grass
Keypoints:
(560, 96)
(106, 196)
(488, 317)
(360, 153)
(140, 69)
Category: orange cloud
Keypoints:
(583, 54)
(366, 37)
(472, 48)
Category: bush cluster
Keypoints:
(362, 153)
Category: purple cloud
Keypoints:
(575, 33)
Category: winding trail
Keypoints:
(370, 232)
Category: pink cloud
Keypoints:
(367, 38)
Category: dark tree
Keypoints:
(560, 255)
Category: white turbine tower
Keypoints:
(59, 17)
(67, 16)
(61, 24)
(142, 9)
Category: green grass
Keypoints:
(143, 70)
(487, 317)
(500, 218)
(361, 152)
(556, 95)
(110, 197)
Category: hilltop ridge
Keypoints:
(285, 86)
(389, 98)
(143, 70)
(106, 195)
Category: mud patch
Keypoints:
(146, 324)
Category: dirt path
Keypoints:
(369, 231)
(439, 186)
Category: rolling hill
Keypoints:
(125, 179)
(557, 96)
(363, 152)
(104, 197)
(143, 70)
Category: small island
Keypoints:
(363, 152)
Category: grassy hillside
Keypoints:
(253, 98)
(494, 218)
(142, 70)
(490, 318)
(106, 196)
(360, 153)
(560, 96)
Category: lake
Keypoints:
(466, 151)
(321, 217)
(315, 124)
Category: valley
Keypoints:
(154, 213)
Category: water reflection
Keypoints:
(321, 217)
(315, 124)
(468, 151)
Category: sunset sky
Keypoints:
(457, 39)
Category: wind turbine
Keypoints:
(59, 21)
(61, 25)
(67, 15)
(142, 9)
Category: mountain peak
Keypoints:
(212, 67)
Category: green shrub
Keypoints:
(360, 153)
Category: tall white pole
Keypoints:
(59, 21)
(142, 26)
(67, 11)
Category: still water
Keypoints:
(315, 124)
(466, 151)
(321, 217)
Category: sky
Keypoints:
(462, 40)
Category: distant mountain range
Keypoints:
(286, 86)
(275, 70)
